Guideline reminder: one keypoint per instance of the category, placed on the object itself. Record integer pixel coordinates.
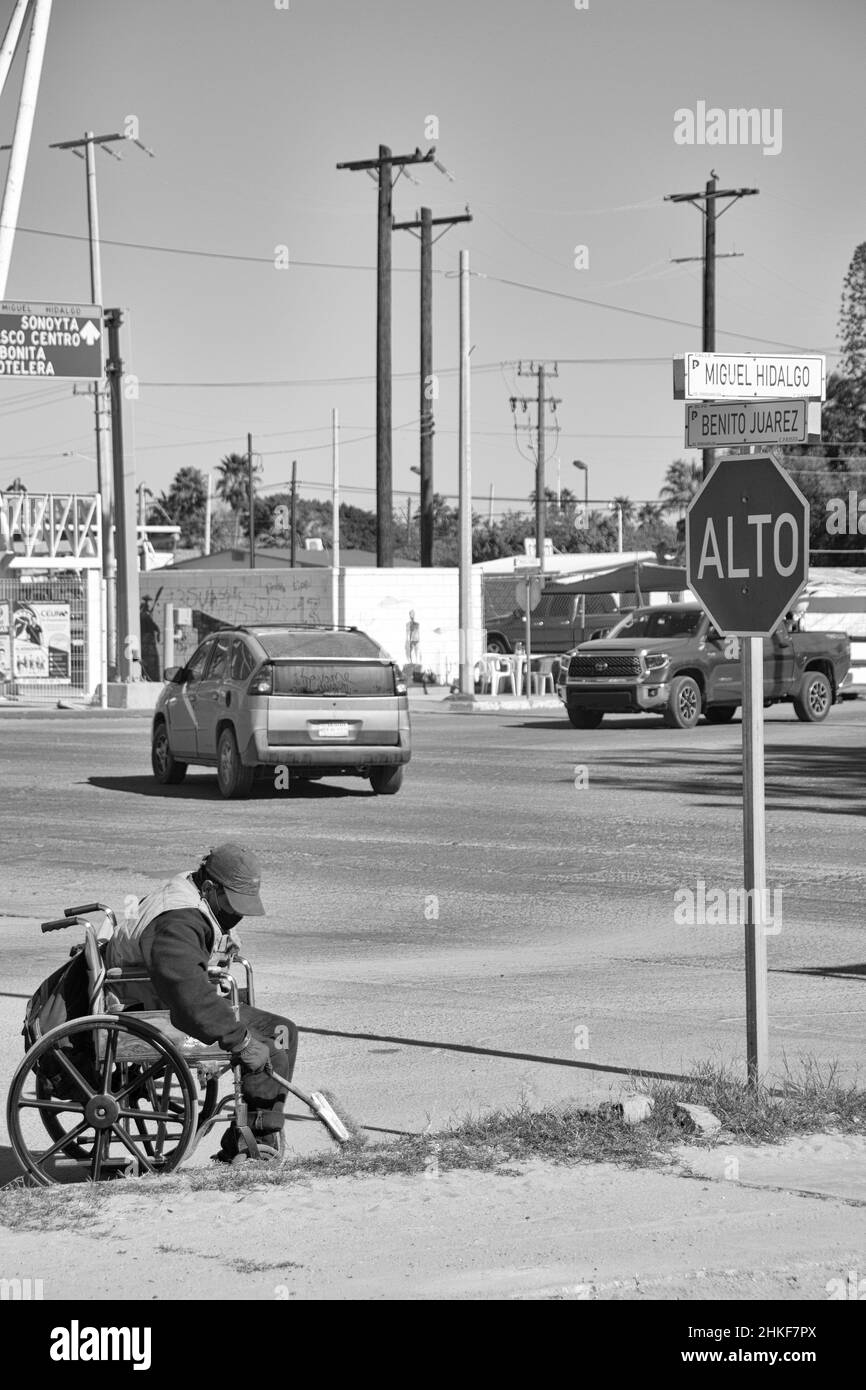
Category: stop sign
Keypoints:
(747, 544)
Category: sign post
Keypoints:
(747, 560)
(527, 593)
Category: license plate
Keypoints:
(333, 730)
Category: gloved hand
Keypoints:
(252, 1054)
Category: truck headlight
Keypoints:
(654, 661)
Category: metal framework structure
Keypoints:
(45, 531)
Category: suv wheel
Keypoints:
(235, 780)
(386, 781)
(684, 704)
(813, 702)
(166, 768)
(584, 718)
(498, 646)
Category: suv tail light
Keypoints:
(400, 687)
(262, 682)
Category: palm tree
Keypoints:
(233, 486)
(682, 480)
(650, 515)
(626, 506)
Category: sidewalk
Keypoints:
(792, 1226)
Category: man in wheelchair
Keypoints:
(173, 937)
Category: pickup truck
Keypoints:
(670, 660)
(559, 622)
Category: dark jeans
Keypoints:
(260, 1091)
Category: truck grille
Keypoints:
(604, 665)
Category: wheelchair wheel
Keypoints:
(127, 1103)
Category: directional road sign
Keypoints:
(748, 376)
(50, 340)
(747, 544)
(723, 424)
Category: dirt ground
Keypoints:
(784, 1222)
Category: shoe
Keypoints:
(269, 1142)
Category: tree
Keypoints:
(682, 480)
(233, 486)
(626, 506)
(185, 504)
(852, 318)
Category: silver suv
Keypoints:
(318, 701)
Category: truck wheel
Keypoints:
(166, 768)
(498, 646)
(235, 780)
(813, 702)
(584, 718)
(684, 704)
(386, 781)
(720, 714)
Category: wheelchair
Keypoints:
(119, 1090)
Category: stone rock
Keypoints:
(697, 1119)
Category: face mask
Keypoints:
(218, 904)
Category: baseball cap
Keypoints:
(238, 870)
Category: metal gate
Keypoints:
(46, 636)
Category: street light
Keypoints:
(584, 467)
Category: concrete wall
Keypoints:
(378, 601)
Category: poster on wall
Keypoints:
(41, 641)
(5, 643)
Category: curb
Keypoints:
(56, 712)
(501, 704)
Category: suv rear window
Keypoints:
(317, 643)
(335, 678)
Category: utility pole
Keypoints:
(706, 204)
(20, 147)
(128, 636)
(208, 508)
(537, 454)
(103, 482)
(424, 223)
(464, 449)
(383, 167)
(294, 499)
(335, 519)
(252, 493)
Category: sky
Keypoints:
(558, 126)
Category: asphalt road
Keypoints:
(491, 905)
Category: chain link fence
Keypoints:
(44, 638)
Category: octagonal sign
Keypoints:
(747, 544)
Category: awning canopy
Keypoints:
(641, 578)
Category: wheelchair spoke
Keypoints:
(108, 1062)
(61, 1143)
(159, 1115)
(73, 1071)
(36, 1103)
(136, 1081)
(98, 1155)
(136, 1152)
(163, 1106)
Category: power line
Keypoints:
(408, 270)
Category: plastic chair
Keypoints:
(541, 682)
(496, 671)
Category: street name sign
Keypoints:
(749, 376)
(723, 424)
(747, 544)
(51, 340)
